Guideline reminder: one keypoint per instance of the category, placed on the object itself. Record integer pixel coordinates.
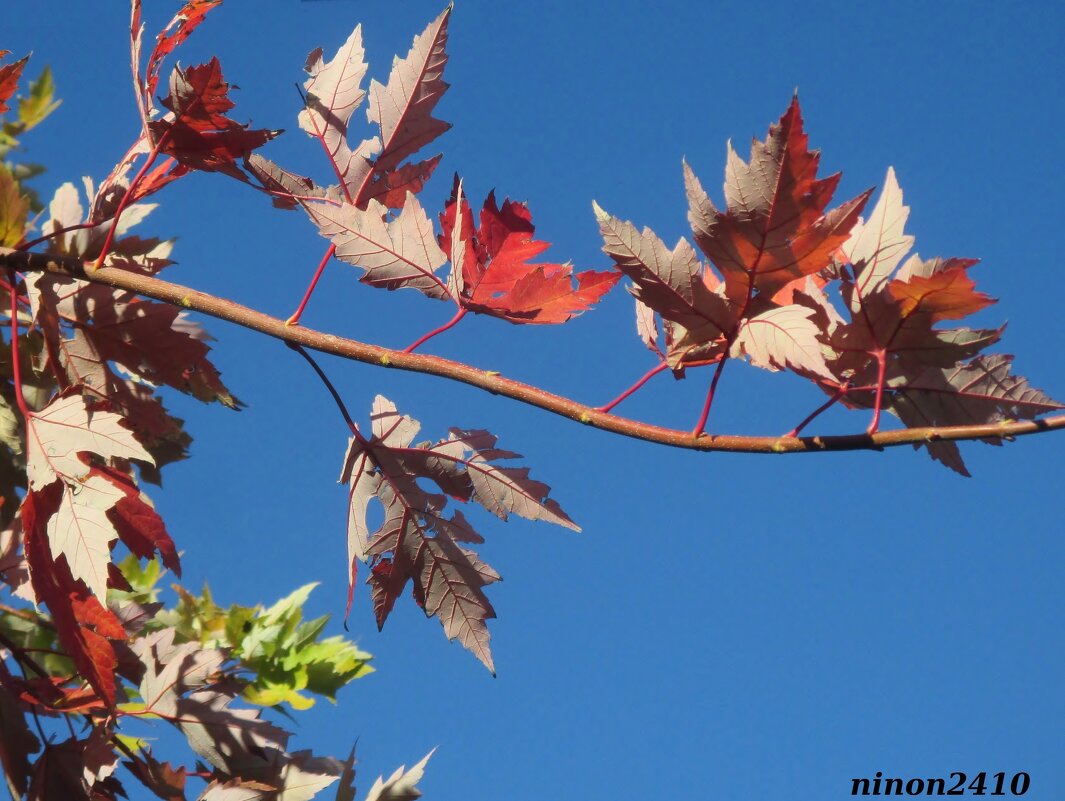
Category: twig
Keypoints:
(493, 382)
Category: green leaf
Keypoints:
(142, 577)
(33, 109)
(284, 653)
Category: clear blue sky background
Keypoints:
(734, 627)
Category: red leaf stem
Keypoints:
(294, 319)
(438, 330)
(16, 369)
(647, 377)
(701, 425)
(153, 154)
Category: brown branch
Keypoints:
(493, 382)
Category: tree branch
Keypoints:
(493, 382)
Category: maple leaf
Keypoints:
(84, 626)
(285, 187)
(982, 390)
(284, 653)
(402, 785)
(703, 322)
(9, 77)
(181, 684)
(775, 228)
(672, 283)
(78, 528)
(178, 686)
(177, 31)
(235, 790)
(391, 186)
(877, 245)
(891, 336)
(491, 273)
(140, 527)
(784, 337)
(154, 341)
(397, 253)
(416, 540)
(133, 253)
(403, 109)
(197, 133)
(333, 92)
(75, 362)
(157, 342)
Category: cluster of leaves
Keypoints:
(372, 215)
(32, 109)
(374, 221)
(83, 429)
(185, 666)
(778, 253)
(282, 651)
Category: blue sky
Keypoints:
(735, 627)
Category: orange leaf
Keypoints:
(496, 277)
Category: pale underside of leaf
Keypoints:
(981, 391)
(173, 669)
(393, 429)
(403, 107)
(66, 428)
(363, 485)
(668, 281)
(452, 578)
(400, 253)
(784, 337)
(417, 540)
(877, 245)
(334, 90)
(646, 326)
(455, 282)
(503, 490)
(401, 785)
(236, 790)
(81, 531)
(282, 182)
(303, 776)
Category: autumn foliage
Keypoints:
(777, 276)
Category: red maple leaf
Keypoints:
(9, 75)
(198, 133)
(775, 228)
(177, 31)
(85, 627)
(491, 271)
(139, 526)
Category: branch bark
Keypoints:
(497, 384)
